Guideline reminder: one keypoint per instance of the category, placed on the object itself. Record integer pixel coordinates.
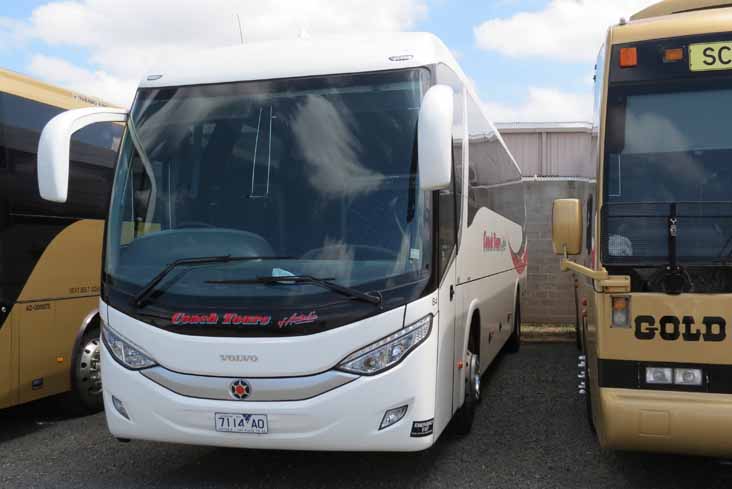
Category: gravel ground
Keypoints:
(530, 432)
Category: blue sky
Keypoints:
(530, 59)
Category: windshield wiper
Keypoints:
(141, 298)
(326, 283)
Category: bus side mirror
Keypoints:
(434, 136)
(55, 144)
(567, 227)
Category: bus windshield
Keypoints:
(311, 177)
(668, 159)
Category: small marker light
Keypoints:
(673, 55)
(628, 57)
(120, 407)
(620, 312)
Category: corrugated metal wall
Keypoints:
(551, 150)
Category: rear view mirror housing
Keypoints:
(55, 144)
(434, 136)
(567, 227)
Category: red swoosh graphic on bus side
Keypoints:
(521, 257)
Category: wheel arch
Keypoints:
(471, 318)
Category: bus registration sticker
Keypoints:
(713, 56)
(242, 423)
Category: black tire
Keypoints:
(86, 384)
(463, 421)
(513, 345)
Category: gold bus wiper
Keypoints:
(326, 283)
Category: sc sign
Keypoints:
(710, 57)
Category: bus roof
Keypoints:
(687, 23)
(670, 7)
(302, 57)
(24, 86)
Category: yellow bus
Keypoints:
(50, 254)
(655, 275)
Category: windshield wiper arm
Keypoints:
(326, 283)
(144, 294)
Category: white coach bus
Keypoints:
(311, 245)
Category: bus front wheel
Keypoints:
(86, 379)
(465, 415)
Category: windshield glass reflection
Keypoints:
(319, 172)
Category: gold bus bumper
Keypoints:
(660, 421)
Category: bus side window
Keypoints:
(93, 155)
(447, 229)
(446, 76)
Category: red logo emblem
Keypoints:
(240, 389)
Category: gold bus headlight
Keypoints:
(688, 376)
(659, 375)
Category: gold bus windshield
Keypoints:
(668, 172)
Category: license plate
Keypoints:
(242, 423)
(713, 56)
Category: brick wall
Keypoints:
(549, 295)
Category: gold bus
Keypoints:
(655, 288)
(50, 254)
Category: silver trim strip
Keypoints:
(262, 389)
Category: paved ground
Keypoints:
(530, 433)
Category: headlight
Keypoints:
(389, 351)
(124, 352)
(659, 375)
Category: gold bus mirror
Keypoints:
(567, 227)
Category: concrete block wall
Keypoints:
(549, 295)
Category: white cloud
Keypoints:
(544, 105)
(97, 83)
(566, 30)
(122, 38)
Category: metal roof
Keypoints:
(669, 7)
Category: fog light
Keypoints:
(688, 376)
(120, 407)
(659, 375)
(393, 416)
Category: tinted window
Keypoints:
(448, 232)
(494, 180)
(93, 152)
(445, 76)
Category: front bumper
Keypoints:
(345, 418)
(662, 421)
